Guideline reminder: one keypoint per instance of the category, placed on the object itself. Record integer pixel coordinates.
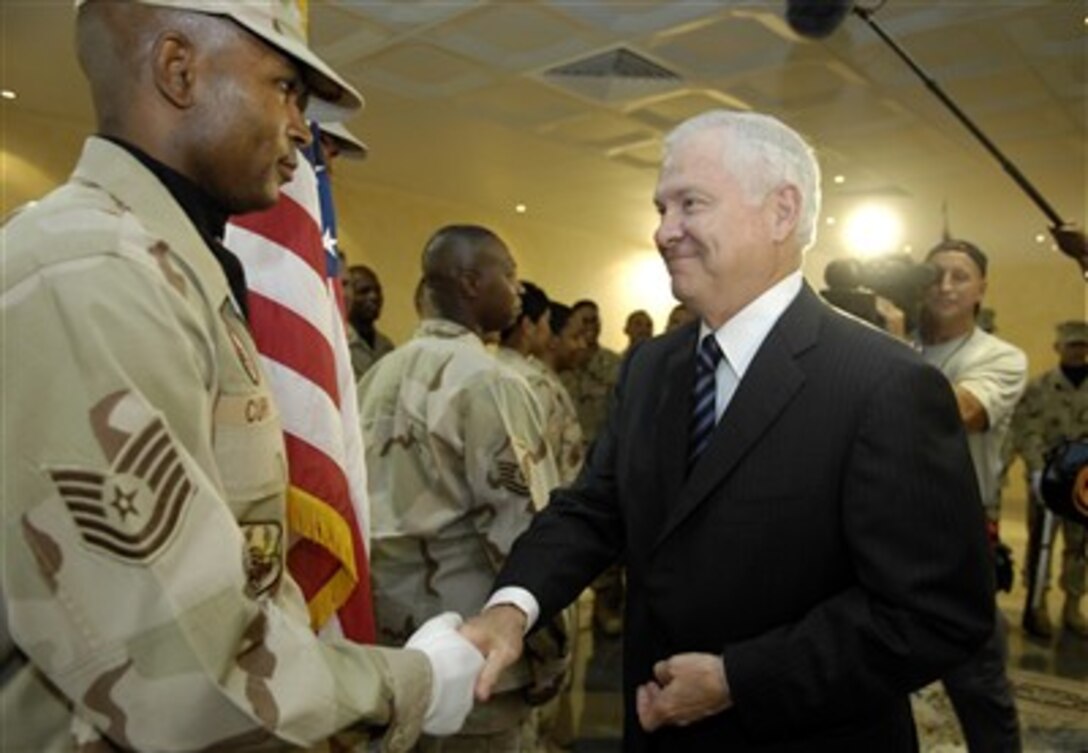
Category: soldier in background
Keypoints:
(524, 344)
(639, 327)
(530, 349)
(590, 385)
(144, 482)
(365, 342)
(1055, 408)
(679, 316)
(566, 348)
(457, 464)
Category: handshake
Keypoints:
(466, 661)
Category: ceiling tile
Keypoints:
(599, 129)
(670, 110)
(521, 103)
(726, 47)
(634, 18)
(515, 36)
(420, 71)
(407, 14)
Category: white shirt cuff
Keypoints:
(519, 598)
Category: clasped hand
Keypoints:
(686, 688)
(458, 667)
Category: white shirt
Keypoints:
(741, 336)
(996, 373)
(740, 339)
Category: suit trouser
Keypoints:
(982, 696)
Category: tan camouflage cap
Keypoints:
(1072, 332)
(280, 23)
(351, 146)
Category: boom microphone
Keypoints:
(816, 19)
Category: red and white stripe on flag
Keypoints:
(299, 330)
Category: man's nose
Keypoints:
(668, 230)
(297, 129)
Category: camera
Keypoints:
(854, 284)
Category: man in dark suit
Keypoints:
(789, 489)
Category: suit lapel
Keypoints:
(772, 380)
(673, 416)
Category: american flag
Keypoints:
(296, 315)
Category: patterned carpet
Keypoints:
(1053, 715)
(1053, 712)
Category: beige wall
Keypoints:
(36, 153)
(387, 229)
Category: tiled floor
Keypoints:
(596, 699)
(1062, 656)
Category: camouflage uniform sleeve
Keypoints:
(509, 468)
(161, 642)
(1026, 434)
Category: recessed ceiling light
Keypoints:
(872, 230)
(1040, 238)
(521, 209)
(830, 220)
(7, 94)
(839, 179)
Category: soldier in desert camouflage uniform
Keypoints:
(590, 386)
(590, 383)
(1055, 408)
(143, 479)
(457, 462)
(523, 345)
(366, 343)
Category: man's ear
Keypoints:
(469, 282)
(785, 206)
(173, 63)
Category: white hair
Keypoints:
(762, 153)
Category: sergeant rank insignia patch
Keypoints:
(131, 511)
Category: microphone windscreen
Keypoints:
(816, 19)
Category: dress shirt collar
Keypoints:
(741, 336)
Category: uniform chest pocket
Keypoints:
(249, 447)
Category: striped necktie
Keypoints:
(703, 416)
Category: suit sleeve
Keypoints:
(579, 533)
(924, 596)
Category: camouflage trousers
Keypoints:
(1073, 579)
(497, 726)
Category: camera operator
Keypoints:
(1055, 408)
(988, 376)
(885, 291)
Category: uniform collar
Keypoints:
(209, 219)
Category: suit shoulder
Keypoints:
(653, 351)
(859, 352)
(845, 331)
